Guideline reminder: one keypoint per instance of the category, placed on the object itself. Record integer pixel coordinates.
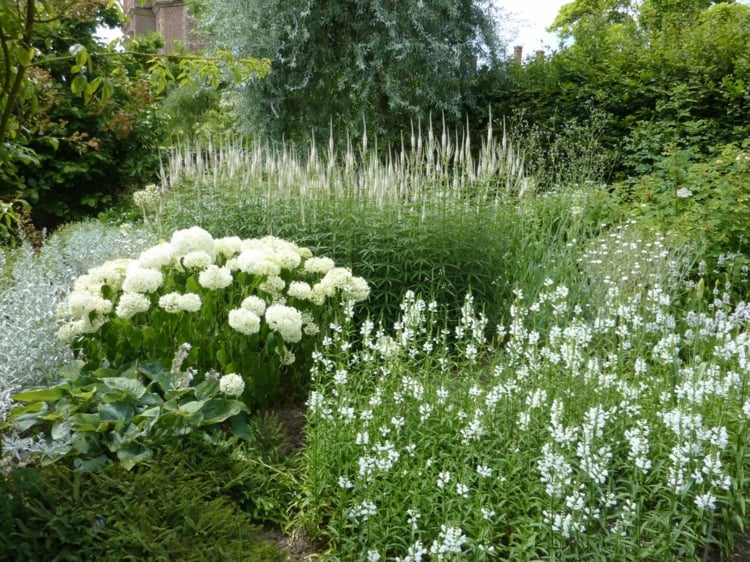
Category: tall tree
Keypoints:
(381, 62)
(670, 75)
(20, 25)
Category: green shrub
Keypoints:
(704, 200)
(254, 307)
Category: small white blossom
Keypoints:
(232, 384)
(131, 304)
(244, 321)
(254, 304)
(215, 277)
(197, 259)
(285, 320)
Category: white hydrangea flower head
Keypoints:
(357, 289)
(232, 384)
(285, 320)
(300, 290)
(141, 280)
(189, 302)
(340, 279)
(197, 259)
(215, 277)
(228, 247)
(287, 259)
(82, 303)
(111, 273)
(191, 239)
(318, 265)
(156, 257)
(87, 282)
(257, 262)
(274, 286)
(170, 302)
(131, 304)
(244, 321)
(254, 304)
(334, 279)
(69, 331)
(178, 302)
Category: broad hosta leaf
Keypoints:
(33, 408)
(206, 389)
(60, 430)
(131, 386)
(40, 395)
(85, 422)
(219, 409)
(192, 407)
(115, 411)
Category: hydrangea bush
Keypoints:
(254, 307)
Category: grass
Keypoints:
(586, 401)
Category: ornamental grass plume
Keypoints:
(253, 307)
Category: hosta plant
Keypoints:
(94, 415)
(255, 307)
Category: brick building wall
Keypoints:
(169, 18)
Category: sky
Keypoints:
(532, 16)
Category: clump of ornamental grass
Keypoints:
(33, 282)
(439, 213)
(246, 308)
(615, 433)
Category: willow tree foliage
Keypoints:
(384, 63)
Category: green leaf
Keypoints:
(90, 465)
(85, 422)
(72, 370)
(240, 427)
(115, 411)
(78, 84)
(207, 389)
(32, 408)
(192, 407)
(152, 369)
(132, 454)
(82, 443)
(84, 393)
(219, 409)
(131, 386)
(222, 357)
(60, 430)
(40, 395)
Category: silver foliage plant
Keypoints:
(33, 282)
